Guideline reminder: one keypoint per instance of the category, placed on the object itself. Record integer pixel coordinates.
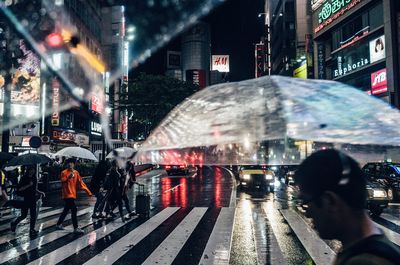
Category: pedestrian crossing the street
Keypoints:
(114, 241)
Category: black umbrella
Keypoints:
(4, 157)
(28, 159)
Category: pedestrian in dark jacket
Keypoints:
(96, 188)
(115, 197)
(27, 189)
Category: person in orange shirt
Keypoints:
(70, 179)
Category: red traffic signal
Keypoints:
(54, 40)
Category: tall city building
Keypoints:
(116, 53)
(290, 46)
(357, 42)
(196, 53)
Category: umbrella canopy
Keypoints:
(4, 157)
(28, 159)
(122, 152)
(277, 107)
(78, 152)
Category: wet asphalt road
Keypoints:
(260, 233)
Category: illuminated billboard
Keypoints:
(220, 63)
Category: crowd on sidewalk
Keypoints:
(109, 184)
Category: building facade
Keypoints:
(356, 42)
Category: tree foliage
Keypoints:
(150, 99)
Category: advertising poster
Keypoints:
(25, 83)
(220, 63)
(378, 82)
(197, 77)
(377, 49)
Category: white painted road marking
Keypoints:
(218, 248)
(75, 246)
(167, 251)
(319, 251)
(126, 243)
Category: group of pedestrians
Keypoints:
(111, 188)
(109, 184)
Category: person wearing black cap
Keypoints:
(332, 188)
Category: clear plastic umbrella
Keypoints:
(75, 151)
(122, 152)
(272, 108)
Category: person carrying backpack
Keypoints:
(332, 189)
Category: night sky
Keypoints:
(235, 28)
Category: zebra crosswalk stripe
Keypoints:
(38, 242)
(392, 235)
(11, 216)
(217, 250)
(319, 251)
(75, 246)
(46, 224)
(390, 218)
(40, 216)
(167, 251)
(123, 245)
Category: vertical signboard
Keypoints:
(321, 60)
(55, 117)
(378, 82)
(259, 54)
(197, 77)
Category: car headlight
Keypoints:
(379, 194)
(390, 194)
(269, 176)
(246, 176)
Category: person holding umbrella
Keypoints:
(70, 179)
(27, 189)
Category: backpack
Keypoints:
(376, 247)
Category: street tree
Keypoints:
(150, 98)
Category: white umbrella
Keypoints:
(122, 152)
(75, 151)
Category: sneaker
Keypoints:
(132, 213)
(78, 231)
(13, 227)
(33, 232)
(60, 227)
(95, 216)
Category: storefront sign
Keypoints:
(55, 117)
(20, 148)
(96, 103)
(173, 60)
(64, 135)
(197, 77)
(378, 82)
(345, 68)
(377, 49)
(82, 139)
(220, 63)
(95, 128)
(321, 60)
(332, 10)
(356, 37)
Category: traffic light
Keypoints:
(54, 40)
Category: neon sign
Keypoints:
(332, 10)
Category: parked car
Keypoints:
(388, 174)
(256, 177)
(377, 198)
(177, 169)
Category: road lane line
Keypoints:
(318, 250)
(127, 242)
(271, 214)
(42, 226)
(392, 235)
(26, 221)
(39, 242)
(232, 201)
(390, 218)
(167, 251)
(218, 248)
(77, 245)
(8, 217)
